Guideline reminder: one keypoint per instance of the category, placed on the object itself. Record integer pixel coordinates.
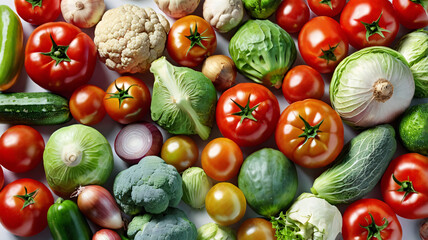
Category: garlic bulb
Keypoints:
(82, 13)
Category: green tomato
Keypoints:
(180, 151)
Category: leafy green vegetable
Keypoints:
(212, 231)
(183, 100)
(414, 47)
(75, 156)
(261, 8)
(263, 52)
(309, 218)
(359, 166)
(413, 129)
(152, 185)
(196, 185)
(173, 224)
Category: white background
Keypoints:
(103, 77)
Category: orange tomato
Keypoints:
(256, 229)
(180, 151)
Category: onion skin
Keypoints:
(82, 13)
(221, 70)
(99, 206)
(106, 234)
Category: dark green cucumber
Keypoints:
(66, 222)
(40, 108)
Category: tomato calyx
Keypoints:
(373, 229)
(327, 2)
(374, 28)
(28, 197)
(420, 2)
(405, 186)
(35, 3)
(122, 93)
(329, 53)
(246, 112)
(196, 38)
(58, 53)
(310, 131)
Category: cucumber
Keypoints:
(413, 129)
(40, 108)
(359, 166)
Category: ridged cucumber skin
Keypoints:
(359, 167)
(37, 108)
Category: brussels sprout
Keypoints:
(263, 52)
(211, 231)
(261, 8)
(196, 185)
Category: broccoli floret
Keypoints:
(173, 224)
(152, 185)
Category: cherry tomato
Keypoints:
(369, 23)
(191, 39)
(1, 178)
(21, 148)
(291, 15)
(310, 133)
(60, 57)
(221, 159)
(256, 229)
(180, 151)
(127, 100)
(225, 203)
(404, 186)
(24, 205)
(247, 114)
(302, 82)
(86, 104)
(412, 14)
(370, 217)
(38, 11)
(323, 44)
(328, 8)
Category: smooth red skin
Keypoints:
(30, 220)
(132, 109)
(413, 167)
(106, 234)
(256, 229)
(319, 34)
(177, 44)
(368, 11)
(324, 10)
(65, 77)
(302, 82)
(1, 178)
(358, 214)
(249, 132)
(410, 14)
(291, 15)
(21, 148)
(49, 11)
(87, 105)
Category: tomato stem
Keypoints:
(374, 28)
(35, 3)
(58, 53)
(122, 93)
(327, 2)
(405, 186)
(310, 131)
(246, 112)
(196, 38)
(329, 53)
(28, 197)
(420, 2)
(373, 229)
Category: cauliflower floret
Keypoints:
(223, 15)
(129, 38)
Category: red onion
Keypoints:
(106, 234)
(138, 140)
(99, 206)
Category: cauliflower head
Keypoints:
(152, 185)
(173, 224)
(223, 15)
(129, 38)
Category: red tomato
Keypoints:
(328, 8)
(412, 14)
(404, 186)
(127, 100)
(221, 159)
(302, 82)
(370, 217)
(247, 113)
(86, 104)
(21, 148)
(60, 57)
(310, 133)
(369, 23)
(38, 12)
(323, 44)
(24, 205)
(191, 40)
(256, 229)
(291, 15)
(1, 178)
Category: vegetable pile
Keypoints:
(267, 120)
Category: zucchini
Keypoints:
(41, 108)
(11, 47)
(359, 166)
